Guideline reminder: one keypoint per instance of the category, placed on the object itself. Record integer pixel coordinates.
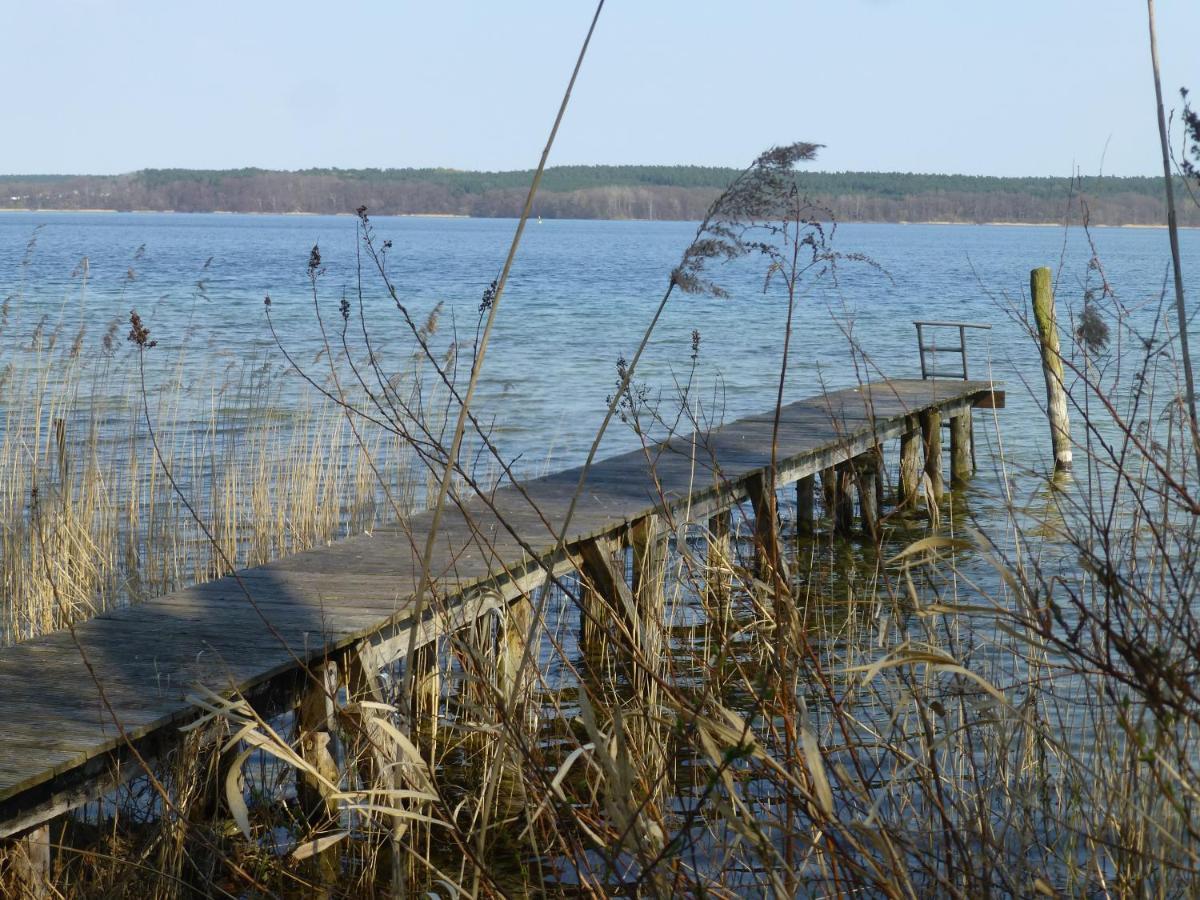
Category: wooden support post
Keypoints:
(1041, 290)
(28, 862)
(314, 722)
(910, 464)
(829, 491)
(761, 490)
(868, 500)
(649, 542)
(804, 506)
(315, 725)
(518, 618)
(426, 697)
(843, 506)
(375, 754)
(719, 580)
(960, 449)
(602, 565)
(593, 619)
(931, 437)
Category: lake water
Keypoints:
(580, 295)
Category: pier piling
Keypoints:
(1041, 290)
(931, 437)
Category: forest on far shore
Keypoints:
(599, 192)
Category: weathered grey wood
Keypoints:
(961, 467)
(648, 540)
(931, 438)
(843, 506)
(315, 728)
(514, 638)
(720, 560)
(1041, 290)
(761, 489)
(354, 598)
(28, 861)
(608, 598)
(866, 471)
(804, 505)
(829, 491)
(910, 464)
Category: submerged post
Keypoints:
(1041, 291)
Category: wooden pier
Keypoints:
(351, 603)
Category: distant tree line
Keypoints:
(594, 192)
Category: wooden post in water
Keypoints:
(514, 635)
(648, 540)
(719, 579)
(315, 725)
(761, 489)
(649, 543)
(931, 437)
(910, 464)
(1041, 290)
(426, 699)
(804, 506)
(866, 468)
(843, 504)
(829, 491)
(28, 863)
(602, 565)
(960, 449)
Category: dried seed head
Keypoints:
(139, 334)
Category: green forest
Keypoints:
(611, 192)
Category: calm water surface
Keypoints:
(579, 297)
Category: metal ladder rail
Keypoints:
(924, 350)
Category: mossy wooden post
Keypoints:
(961, 468)
(910, 463)
(315, 724)
(1041, 289)
(866, 467)
(719, 580)
(931, 437)
(843, 504)
(804, 506)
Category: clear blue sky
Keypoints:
(1018, 87)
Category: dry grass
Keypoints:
(88, 518)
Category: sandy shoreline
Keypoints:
(227, 212)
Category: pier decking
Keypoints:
(60, 744)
